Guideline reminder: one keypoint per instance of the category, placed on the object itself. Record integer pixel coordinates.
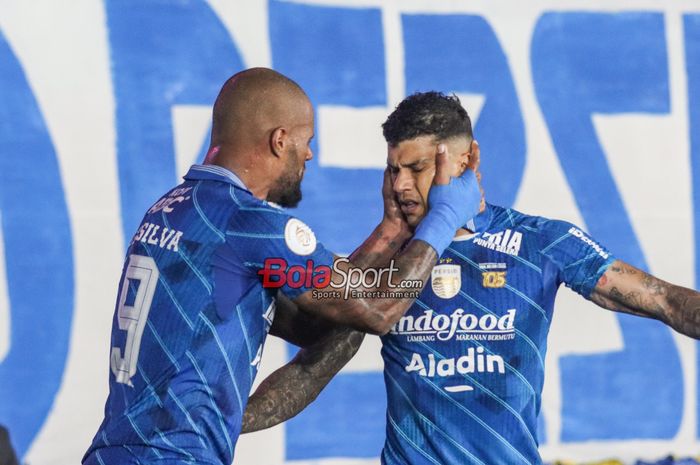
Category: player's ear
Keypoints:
(463, 158)
(473, 156)
(278, 141)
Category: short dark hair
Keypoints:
(427, 114)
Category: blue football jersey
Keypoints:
(191, 319)
(464, 368)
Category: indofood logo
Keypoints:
(463, 326)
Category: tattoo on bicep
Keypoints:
(633, 291)
(602, 301)
(603, 280)
(679, 307)
(623, 269)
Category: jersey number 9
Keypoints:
(140, 282)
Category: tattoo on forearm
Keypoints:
(648, 296)
(378, 249)
(684, 310)
(291, 388)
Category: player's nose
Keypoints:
(402, 181)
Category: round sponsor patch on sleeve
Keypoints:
(299, 237)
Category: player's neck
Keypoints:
(253, 176)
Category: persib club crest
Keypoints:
(446, 280)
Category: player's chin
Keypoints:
(414, 219)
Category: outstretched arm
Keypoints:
(624, 288)
(288, 390)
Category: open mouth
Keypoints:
(409, 207)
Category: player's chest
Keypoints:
(489, 269)
(479, 293)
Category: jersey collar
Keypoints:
(214, 173)
(482, 221)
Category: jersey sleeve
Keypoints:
(280, 249)
(579, 259)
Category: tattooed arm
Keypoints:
(371, 311)
(624, 288)
(387, 239)
(326, 348)
(288, 390)
(302, 328)
(296, 326)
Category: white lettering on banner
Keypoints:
(587, 240)
(507, 241)
(473, 361)
(545, 188)
(461, 325)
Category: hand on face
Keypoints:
(453, 200)
(473, 164)
(448, 167)
(392, 209)
(413, 166)
(444, 167)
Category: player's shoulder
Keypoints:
(540, 227)
(253, 209)
(261, 224)
(256, 218)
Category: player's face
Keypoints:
(412, 167)
(287, 190)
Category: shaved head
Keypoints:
(254, 102)
(262, 127)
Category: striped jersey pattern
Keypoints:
(464, 368)
(190, 322)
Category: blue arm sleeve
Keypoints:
(581, 260)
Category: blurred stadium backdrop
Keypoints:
(585, 110)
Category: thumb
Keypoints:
(442, 171)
